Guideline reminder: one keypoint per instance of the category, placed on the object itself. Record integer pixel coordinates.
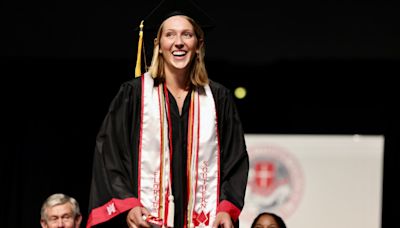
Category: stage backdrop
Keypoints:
(325, 181)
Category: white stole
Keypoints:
(203, 155)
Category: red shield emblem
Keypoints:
(265, 175)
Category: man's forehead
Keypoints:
(60, 209)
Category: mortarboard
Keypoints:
(164, 10)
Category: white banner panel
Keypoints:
(324, 181)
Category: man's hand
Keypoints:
(223, 220)
(135, 217)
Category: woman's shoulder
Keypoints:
(133, 82)
(218, 88)
(128, 92)
(130, 86)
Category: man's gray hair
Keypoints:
(59, 199)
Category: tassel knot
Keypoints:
(138, 70)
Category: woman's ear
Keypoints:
(199, 45)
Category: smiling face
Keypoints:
(178, 43)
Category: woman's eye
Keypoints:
(169, 35)
(188, 35)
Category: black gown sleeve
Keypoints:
(113, 188)
(234, 157)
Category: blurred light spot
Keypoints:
(240, 92)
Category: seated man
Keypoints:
(60, 210)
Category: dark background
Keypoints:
(310, 67)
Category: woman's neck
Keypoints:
(178, 86)
(176, 80)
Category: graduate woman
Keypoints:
(171, 150)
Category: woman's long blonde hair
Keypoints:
(197, 70)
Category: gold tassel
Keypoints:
(138, 71)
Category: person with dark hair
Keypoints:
(60, 210)
(268, 220)
(171, 150)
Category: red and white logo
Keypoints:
(275, 180)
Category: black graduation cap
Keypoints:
(165, 9)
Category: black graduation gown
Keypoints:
(115, 159)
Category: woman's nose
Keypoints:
(179, 46)
(179, 41)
